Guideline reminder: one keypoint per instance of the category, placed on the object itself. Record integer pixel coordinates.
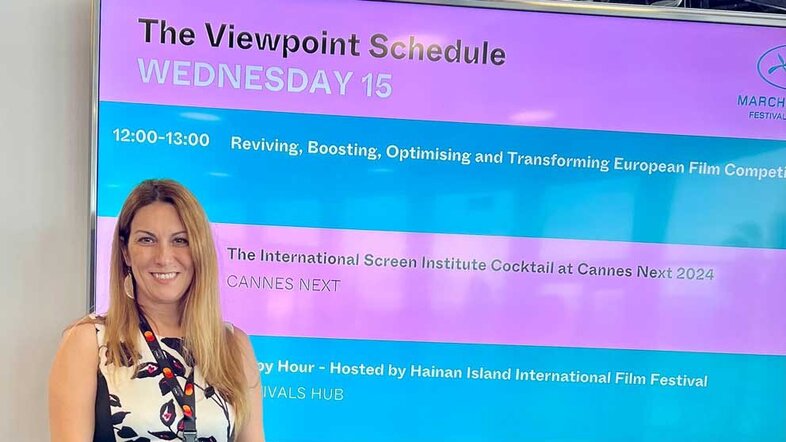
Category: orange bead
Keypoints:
(168, 373)
(187, 410)
(189, 389)
(149, 336)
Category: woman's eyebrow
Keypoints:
(153, 234)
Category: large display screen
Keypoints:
(471, 224)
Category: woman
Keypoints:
(161, 365)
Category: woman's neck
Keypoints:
(164, 319)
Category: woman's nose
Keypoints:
(163, 254)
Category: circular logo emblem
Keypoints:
(772, 66)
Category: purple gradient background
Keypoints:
(562, 70)
(739, 311)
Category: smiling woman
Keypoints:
(162, 348)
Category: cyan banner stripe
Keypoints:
(742, 399)
(261, 181)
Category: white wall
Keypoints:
(44, 180)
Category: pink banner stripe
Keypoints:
(738, 311)
(632, 75)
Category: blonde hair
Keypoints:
(205, 338)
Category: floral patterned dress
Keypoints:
(143, 409)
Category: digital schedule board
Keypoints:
(466, 223)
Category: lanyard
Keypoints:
(184, 398)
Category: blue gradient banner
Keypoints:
(255, 168)
(625, 394)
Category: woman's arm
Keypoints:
(72, 386)
(251, 431)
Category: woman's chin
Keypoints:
(173, 296)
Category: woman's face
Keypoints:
(159, 254)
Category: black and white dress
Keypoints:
(143, 409)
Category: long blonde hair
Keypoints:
(205, 338)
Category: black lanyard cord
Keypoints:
(184, 398)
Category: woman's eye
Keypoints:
(181, 241)
(145, 240)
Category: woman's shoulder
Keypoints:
(84, 330)
(236, 332)
(246, 352)
(88, 322)
(242, 341)
(92, 321)
(81, 335)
